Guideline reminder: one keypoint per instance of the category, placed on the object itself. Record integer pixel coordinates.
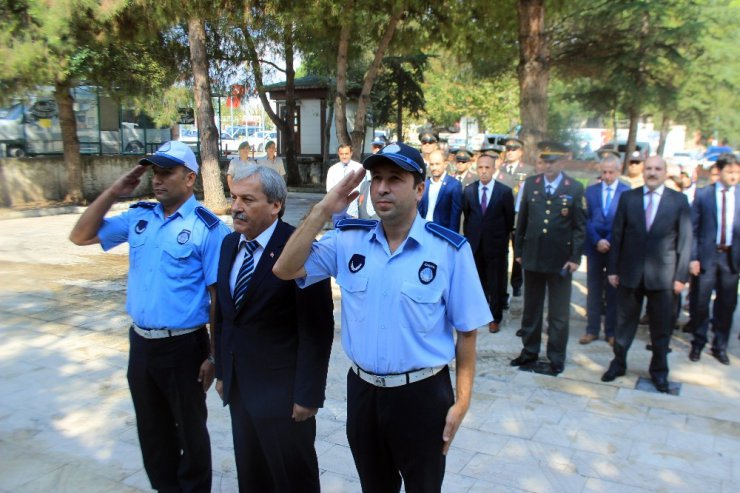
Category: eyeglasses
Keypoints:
(427, 142)
(513, 148)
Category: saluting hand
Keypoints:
(339, 197)
(126, 183)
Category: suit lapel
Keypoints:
(231, 248)
(267, 260)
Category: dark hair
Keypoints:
(342, 146)
(725, 159)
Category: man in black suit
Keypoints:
(488, 212)
(651, 245)
(715, 258)
(549, 234)
(272, 343)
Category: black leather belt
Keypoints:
(724, 248)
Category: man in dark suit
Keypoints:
(715, 258)
(601, 205)
(488, 212)
(549, 240)
(272, 343)
(442, 199)
(649, 258)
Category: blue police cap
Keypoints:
(401, 155)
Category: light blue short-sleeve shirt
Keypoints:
(172, 261)
(399, 310)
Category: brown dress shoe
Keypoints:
(493, 327)
(587, 339)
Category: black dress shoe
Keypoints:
(611, 374)
(516, 292)
(695, 353)
(522, 360)
(721, 356)
(519, 332)
(661, 385)
(548, 369)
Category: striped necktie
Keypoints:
(245, 273)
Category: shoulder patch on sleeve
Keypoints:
(144, 205)
(457, 240)
(351, 223)
(207, 217)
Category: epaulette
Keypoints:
(457, 240)
(145, 205)
(207, 217)
(352, 223)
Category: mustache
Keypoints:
(239, 215)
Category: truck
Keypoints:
(29, 126)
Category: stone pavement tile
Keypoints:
(523, 450)
(636, 473)
(457, 458)
(74, 478)
(626, 427)
(564, 384)
(54, 328)
(710, 409)
(338, 459)
(692, 461)
(478, 441)
(675, 420)
(456, 483)
(611, 407)
(601, 486)
(18, 464)
(513, 418)
(529, 475)
(574, 437)
(730, 487)
(481, 486)
(692, 440)
(332, 482)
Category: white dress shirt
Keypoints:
(263, 239)
(434, 188)
(604, 188)
(489, 191)
(729, 212)
(657, 194)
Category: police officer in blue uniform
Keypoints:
(174, 249)
(407, 286)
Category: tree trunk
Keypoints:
(327, 141)
(284, 125)
(340, 98)
(399, 111)
(70, 142)
(665, 127)
(634, 114)
(213, 190)
(534, 75)
(358, 132)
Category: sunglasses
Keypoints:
(513, 148)
(427, 142)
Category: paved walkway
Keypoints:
(67, 423)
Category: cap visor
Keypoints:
(551, 157)
(161, 161)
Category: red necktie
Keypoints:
(483, 202)
(723, 233)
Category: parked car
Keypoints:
(494, 141)
(258, 139)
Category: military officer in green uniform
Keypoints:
(549, 239)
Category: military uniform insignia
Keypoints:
(183, 236)
(141, 226)
(356, 263)
(427, 272)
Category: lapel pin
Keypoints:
(272, 254)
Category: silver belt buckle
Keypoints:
(379, 381)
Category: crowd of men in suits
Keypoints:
(646, 237)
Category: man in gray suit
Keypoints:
(651, 246)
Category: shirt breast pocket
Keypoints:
(136, 244)
(177, 262)
(420, 306)
(354, 295)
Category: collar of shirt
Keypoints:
(555, 183)
(719, 187)
(263, 238)
(440, 181)
(186, 208)
(489, 187)
(658, 191)
(612, 187)
(415, 234)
